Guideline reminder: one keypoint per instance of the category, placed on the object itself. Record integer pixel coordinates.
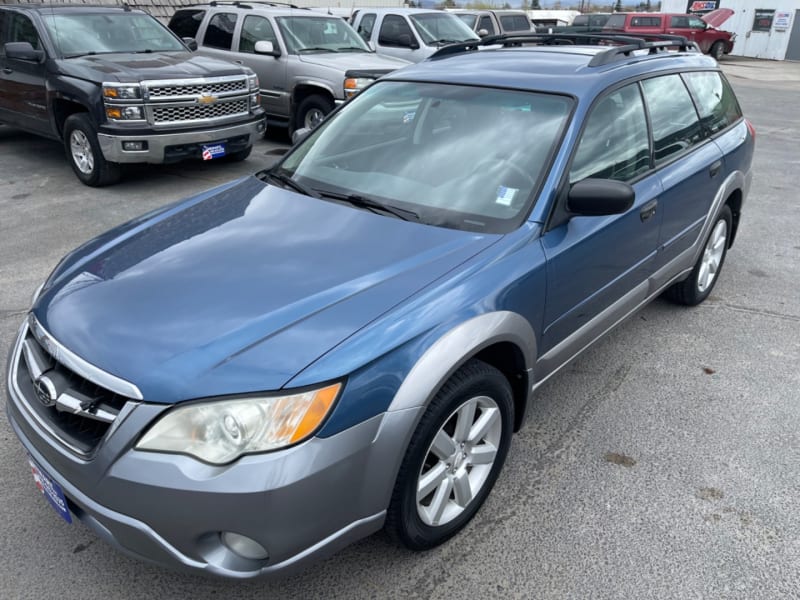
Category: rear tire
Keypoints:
(697, 287)
(84, 154)
(453, 458)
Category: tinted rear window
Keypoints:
(674, 120)
(715, 100)
(515, 23)
(616, 21)
(185, 23)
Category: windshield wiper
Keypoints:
(287, 181)
(316, 49)
(350, 49)
(371, 205)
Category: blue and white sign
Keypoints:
(51, 490)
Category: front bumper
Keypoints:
(300, 504)
(171, 147)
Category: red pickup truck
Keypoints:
(700, 29)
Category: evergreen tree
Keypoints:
(618, 6)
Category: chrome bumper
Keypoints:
(111, 145)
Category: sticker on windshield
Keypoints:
(505, 195)
(409, 116)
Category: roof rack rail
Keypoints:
(625, 44)
(248, 3)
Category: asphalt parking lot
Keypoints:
(662, 463)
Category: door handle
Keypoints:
(714, 168)
(239, 62)
(7, 71)
(648, 210)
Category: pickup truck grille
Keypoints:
(169, 115)
(82, 411)
(197, 89)
(201, 101)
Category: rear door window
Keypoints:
(219, 33)
(515, 23)
(487, 24)
(715, 100)
(185, 23)
(366, 25)
(676, 126)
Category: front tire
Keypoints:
(312, 111)
(453, 459)
(84, 154)
(696, 288)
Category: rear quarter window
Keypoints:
(715, 100)
(616, 21)
(185, 23)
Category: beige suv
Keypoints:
(307, 62)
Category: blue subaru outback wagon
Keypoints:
(261, 374)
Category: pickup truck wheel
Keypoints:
(696, 288)
(84, 154)
(311, 111)
(453, 459)
(717, 50)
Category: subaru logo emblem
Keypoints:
(45, 390)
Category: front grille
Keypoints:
(198, 89)
(84, 411)
(198, 112)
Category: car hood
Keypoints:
(717, 17)
(132, 68)
(350, 61)
(241, 290)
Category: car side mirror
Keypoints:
(191, 43)
(265, 47)
(23, 51)
(405, 41)
(598, 197)
(483, 32)
(300, 134)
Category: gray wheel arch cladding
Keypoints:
(456, 347)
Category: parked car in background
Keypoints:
(699, 29)
(307, 62)
(116, 86)
(255, 377)
(410, 33)
(493, 22)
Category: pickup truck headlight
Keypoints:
(122, 92)
(252, 81)
(221, 431)
(353, 85)
(125, 113)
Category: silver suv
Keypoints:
(307, 62)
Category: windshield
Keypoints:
(442, 28)
(319, 34)
(80, 34)
(462, 157)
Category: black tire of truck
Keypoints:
(84, 154)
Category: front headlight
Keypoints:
(122, 92)
(125, 113)
(221, 431)
(353, 85)
(252, 80)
